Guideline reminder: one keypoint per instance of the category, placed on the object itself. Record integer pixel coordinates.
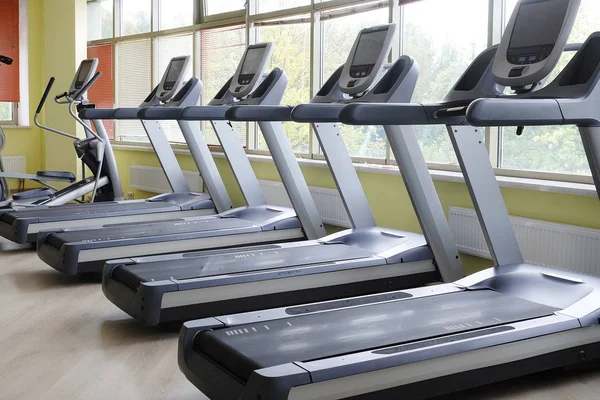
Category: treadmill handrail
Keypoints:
(259, 113)
(204, 113)
(385, 114)
(318, 113)
(514, 112)
(160, 114)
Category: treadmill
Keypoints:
(74, 251)
(23, 226)
(507, 321)
(362, 260)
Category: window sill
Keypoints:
(540, 185)
(9, 126)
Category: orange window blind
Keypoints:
(102, 93)
(9, 47)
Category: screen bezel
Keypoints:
(167, 89)
(533, 73)
(240, 90)
(76, 84)
(355, 85)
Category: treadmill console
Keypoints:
(366, 59)
(173, 78)
(535, 37)
(249, 71)
(85, 72)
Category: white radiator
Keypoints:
(328, 201)
(544, 243)
(153, 179)
(15, 164)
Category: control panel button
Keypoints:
(516, 72)
(352, 83)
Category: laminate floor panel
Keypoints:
(60, 338)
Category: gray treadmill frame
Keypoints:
(572, 333)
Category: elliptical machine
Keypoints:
(94, 151)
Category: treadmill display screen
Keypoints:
(174, 72)
(251, 64)
(84, 71)
(368, 50)
(536, 31)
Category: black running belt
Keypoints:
(234, 262)
(137, 230)
(242, 349)
(89, 210)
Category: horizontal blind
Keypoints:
(220, 52)
(102, 92)
(165, 48)
(9, 47)
(134, 73)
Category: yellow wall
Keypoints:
(65, 44)
(29, 141)
(389, 200)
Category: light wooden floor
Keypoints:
(61, 339)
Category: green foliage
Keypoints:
(5, 111)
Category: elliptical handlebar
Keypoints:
(45, 96)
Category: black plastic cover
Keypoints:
(204, 113)
(160, 113)
(259, 113)
(384, 114)
(513, 112)
(317, 112)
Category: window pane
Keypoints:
(557, 148)
(338, 37)
(136, 17)
(443, 50)
(176, 13)
(100, 19)
(165, 48)
(220, 6)
(221, 50)
(102, 93)
(6, 111)
(274, 5)
(133, 84)
(292, 54)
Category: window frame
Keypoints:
(251, 19)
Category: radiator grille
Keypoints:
(544, 243)
(153, 179)
(15, 164)
(328, 201)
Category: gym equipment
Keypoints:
(362, 260)
(82, 250)
(507, 321)
(24, 225)
(92, 151)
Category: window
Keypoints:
(100, 19)
(165, 48)
(339, 32)
(265, 6)
(444, 49)
(221, 51)
(9, 47)
(291, 42)
(176, 13)
(311, 40)
(134, 71)
(552, 148)
(136, 16)
(220, 6)
(102, 92)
